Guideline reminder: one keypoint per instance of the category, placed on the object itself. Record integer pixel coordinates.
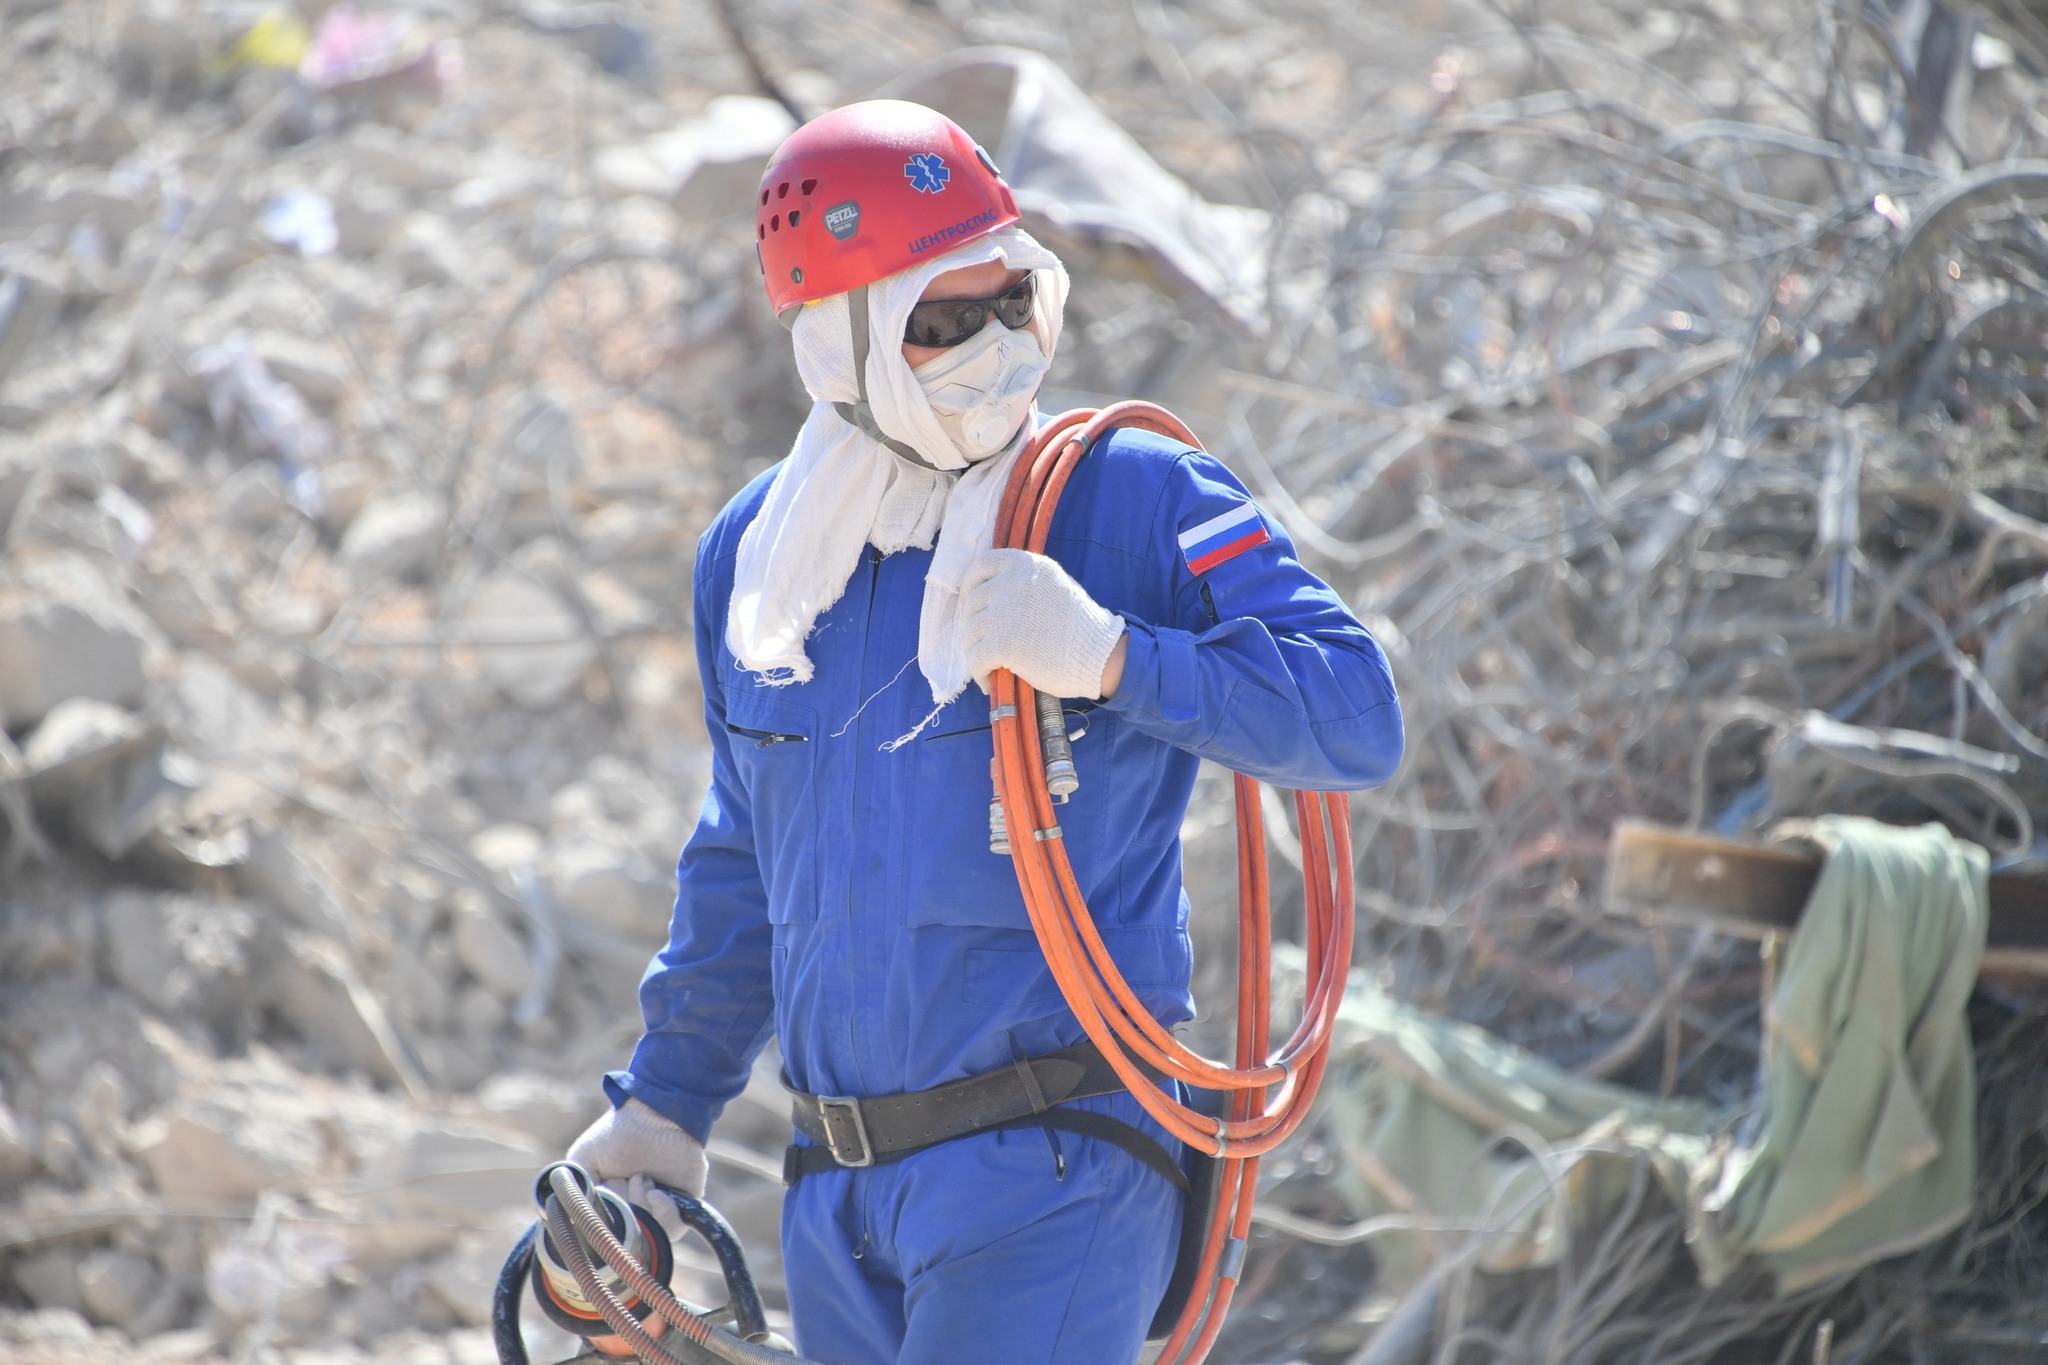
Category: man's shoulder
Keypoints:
(1137, 468)
(1137, 454)
(1131, 486)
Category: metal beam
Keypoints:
(1756, 891)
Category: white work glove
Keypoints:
(1027, 614)
(632, 1146)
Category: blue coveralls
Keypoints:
(842, 895)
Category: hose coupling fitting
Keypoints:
(557, 1290)
(1062, 779)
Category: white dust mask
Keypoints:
(981, 390)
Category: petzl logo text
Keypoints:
(843, 220)
(927, 172)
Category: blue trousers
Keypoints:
(1012, 1248)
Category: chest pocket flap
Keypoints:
(774, 746)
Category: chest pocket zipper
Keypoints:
(765, 739)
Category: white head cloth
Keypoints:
(840, 489)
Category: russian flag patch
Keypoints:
(1222, 539)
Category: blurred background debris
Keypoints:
(1662, 382)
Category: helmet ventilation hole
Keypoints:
(760, 232)
(782, 190)
(808, 186)
(796, 274)
(775, 223)
(764, 194)
(795, 214)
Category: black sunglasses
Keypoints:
(948, 322)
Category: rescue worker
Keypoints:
(839, 892)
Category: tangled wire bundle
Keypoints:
(1690, 470)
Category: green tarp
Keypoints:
(1858, 1143)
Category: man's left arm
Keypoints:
(1262, 668)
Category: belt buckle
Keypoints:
(840, 1113)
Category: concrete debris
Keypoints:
(492, 950)
(160, 51)
(27, 309)
(548, 1111)
(50, 1279)
(531, 643)
(52, 1330)
(396, 536)
(365, 216)
(284, 1280)
(461, 1281)
(121, 1289)
(452, 1170)
(312, 367)
(618, 892)
(213, 1150)
(213, 712)
(601, 32)
(244, 396)
(318, 991)
(67, 630)
(17, 1156)
(181, 954)
(428, 252)
(705, 165)
(72, 511)
(98, 770)
(255, 497)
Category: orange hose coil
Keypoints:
(1109, 1011)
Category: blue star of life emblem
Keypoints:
(927, 172)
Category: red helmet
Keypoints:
(866, 191)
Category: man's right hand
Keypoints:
(633, 1140)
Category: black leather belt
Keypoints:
(856, 1132)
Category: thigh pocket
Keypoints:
(774, 750)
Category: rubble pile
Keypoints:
(1663, 384)
(350, 721)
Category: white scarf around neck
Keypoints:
(840, 490)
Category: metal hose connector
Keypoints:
(571, 1213)
(1062, 778)
(563, 1230)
